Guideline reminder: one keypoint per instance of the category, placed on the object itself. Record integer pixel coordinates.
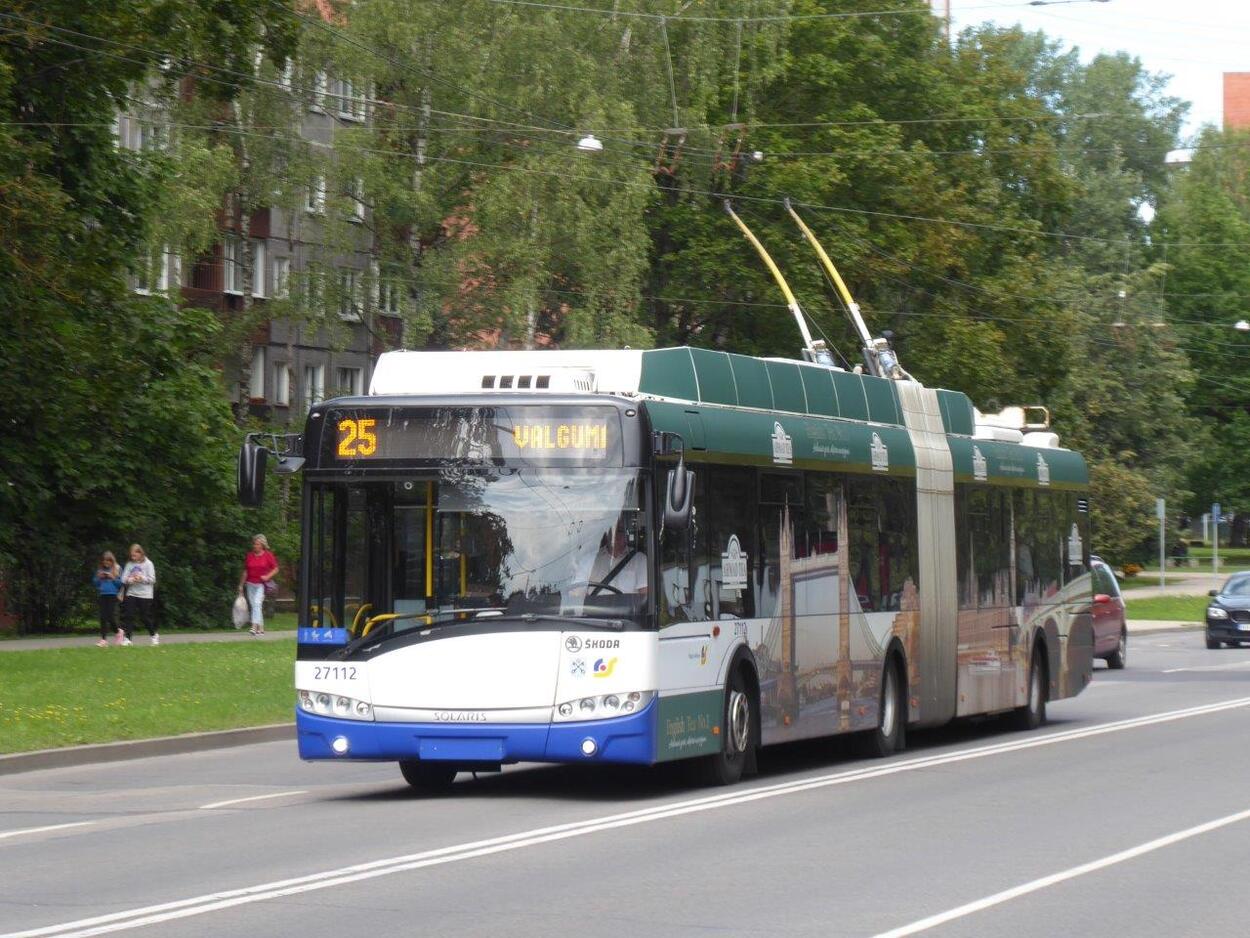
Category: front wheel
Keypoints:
(725, 767)
(1212, 643)
(1033, 714)
(428, 777)
(1116, 660)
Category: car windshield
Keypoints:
(1237, 586)
(456, 544)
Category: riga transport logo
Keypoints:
(604, 668)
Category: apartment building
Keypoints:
(350, 311)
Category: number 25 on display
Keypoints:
(357, 437)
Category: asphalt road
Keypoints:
(1128, 814)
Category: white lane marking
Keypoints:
(1006, 895)
(277, 794)
(1210, 667)
(40, 830)
(199, 905)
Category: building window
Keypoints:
(347, 100)
(349, 294)
(259, 268)
(159, 272)
(282, 384)
(314, 384)
(390, 297)
(314, 288)
(232, 265)
(256, 382)
(356, 197)
(351, 381)
(281, 278)
(318, 91)
(286, 75)
(316, 203)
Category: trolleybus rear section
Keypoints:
(641, 556)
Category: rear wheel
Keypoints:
(1116, 660)
(1033, 714)
(738, 723)
(890, 734)
(428, 777)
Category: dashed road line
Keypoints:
(40, 830)
(277, 794)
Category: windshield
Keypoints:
(462, 544)
(1237, 586)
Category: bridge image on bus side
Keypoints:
(640, 556)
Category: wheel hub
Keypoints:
(739, 736)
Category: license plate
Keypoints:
(1243, 626)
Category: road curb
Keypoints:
(1146, 627)
(143, 748)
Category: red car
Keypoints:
(1110, 628)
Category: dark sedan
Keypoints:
(1228, 614)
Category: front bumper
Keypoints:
(629, 739)
(1226, 630)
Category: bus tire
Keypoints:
(739, 721)
(429, 777)
(1033, 714)
(890, 734)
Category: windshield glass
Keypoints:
(472, 544)
(1237, 586)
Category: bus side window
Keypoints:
(683, 563)
(730, 500)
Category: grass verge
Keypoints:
(1173, 608)
(69, 696)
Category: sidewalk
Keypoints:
(1144, 626)
(167, 638)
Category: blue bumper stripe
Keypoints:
(618, 739)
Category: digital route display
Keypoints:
(543, 435)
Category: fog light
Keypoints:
(589, 747)
(340, 745)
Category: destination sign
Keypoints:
(560, 435)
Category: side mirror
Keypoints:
(678, 497)
(1213, 592)
(251, 477)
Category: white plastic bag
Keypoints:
(240, 612)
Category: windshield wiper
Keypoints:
(613, 625)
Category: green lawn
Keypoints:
(1176, 608)
(68, 696)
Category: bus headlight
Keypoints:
(602, 707)
(336, 705)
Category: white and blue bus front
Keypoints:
(475, 580)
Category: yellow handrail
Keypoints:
(315, 615)
(360, 612)
(391, 616)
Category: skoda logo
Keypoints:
(573, 643)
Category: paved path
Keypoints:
(167, 638)
(1128, 814)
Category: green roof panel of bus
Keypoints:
(818, 386)
(882, 400)
(716, 377)
(852, 404)
(669, 372)
(751, 378)
(787, 387)
(746, 437)
(956, 412)
(1017, 465)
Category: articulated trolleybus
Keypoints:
(643, 556)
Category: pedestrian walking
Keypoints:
(139, 580)
(260, 566)
(108, 583)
